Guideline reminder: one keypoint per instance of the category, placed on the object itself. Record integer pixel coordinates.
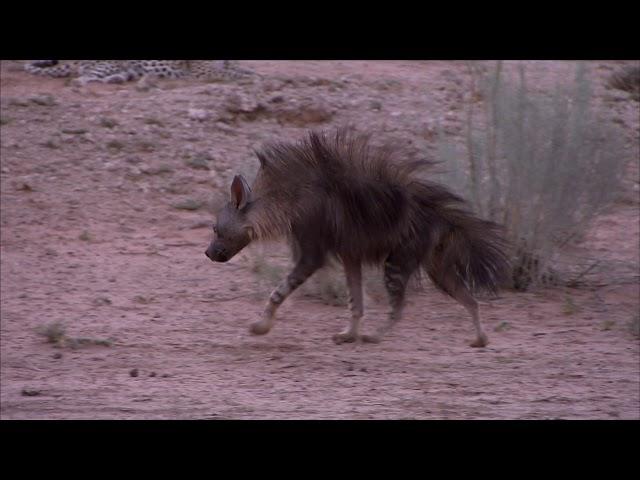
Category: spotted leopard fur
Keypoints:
(120, 71)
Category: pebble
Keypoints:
(30, 393)
(198, 114)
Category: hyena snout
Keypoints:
(217, 253)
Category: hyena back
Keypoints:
(337, 196)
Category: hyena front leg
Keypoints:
(353, 272)
(397, 272)
(305, 267)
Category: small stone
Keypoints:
(236, 103)
(133, 372)
(57, 355)
(198, 114)
(30, 393)
(99, 301)
(43, 100)
(74, 131)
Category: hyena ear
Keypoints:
(240, 192)
(261, 158)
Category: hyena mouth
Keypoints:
(221, 258)
(217, 256)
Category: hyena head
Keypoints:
(232, 230)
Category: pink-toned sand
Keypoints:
(90, 238)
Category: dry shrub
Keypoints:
(627, 79)
(541, 164)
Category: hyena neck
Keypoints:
(270, 219)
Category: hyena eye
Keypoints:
(215, 229)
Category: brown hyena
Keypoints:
(338, 197)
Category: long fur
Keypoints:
(357, 202)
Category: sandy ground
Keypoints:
(95, 235)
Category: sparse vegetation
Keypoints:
(52, 144)
(55, 333)
(627, 79)
(74, 131)
(199, 161)
(115, 145)
(45, 100)
(607, 325)
(634, 325)
(100, 301)
(145, 146)
(142, 299)
(188, 204)
(502, 327)
(542, 165)
(158, 170)
(153, 121)
(327, 285)
(18, 102)
(569, 307)
(75, 343)
(266, 273)
(108, 122)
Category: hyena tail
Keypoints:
(472, 255)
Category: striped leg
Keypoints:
(303, 270)
(465, 298)
(450, 283)
(396, 278)
(353, 271)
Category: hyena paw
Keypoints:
(344, 337)
(373, 338)
(260, 327)
(480, 342)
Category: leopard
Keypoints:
(121, 71)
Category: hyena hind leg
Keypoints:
(451, 284)
(397, 272)
(305, 267)
(464, 297)
(353, 272)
